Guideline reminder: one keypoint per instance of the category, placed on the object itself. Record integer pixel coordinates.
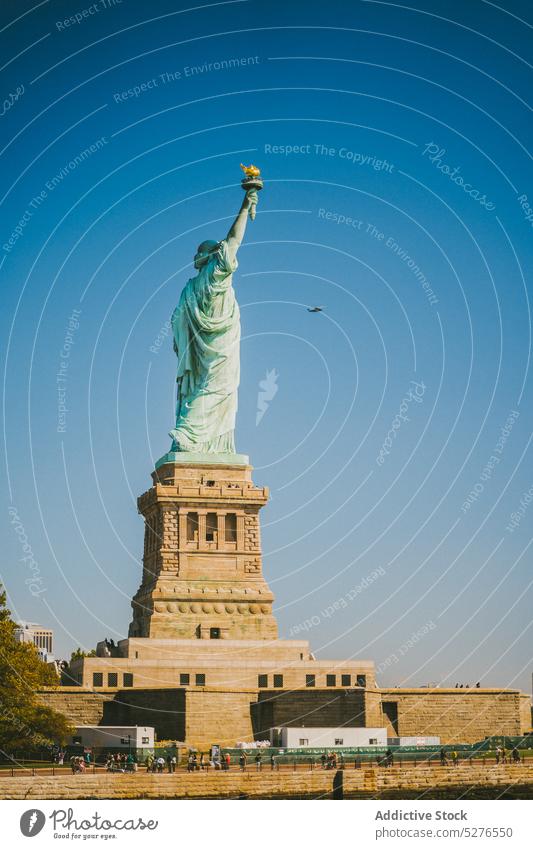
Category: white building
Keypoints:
(328, 738)
(413, 741)
(114, 737)
(42, 638)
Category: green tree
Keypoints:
(80, 653)
(25, 723)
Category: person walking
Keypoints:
(443, 758)
(323, 760)
(455, 758)
(169, 764)
(242, 761)
(258, 764)
(272, 762)
(173, 762)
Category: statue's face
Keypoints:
(204, 252)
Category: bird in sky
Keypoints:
(315, 309)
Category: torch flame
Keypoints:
(250, 170)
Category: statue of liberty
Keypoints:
(207, 332)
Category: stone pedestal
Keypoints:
(203, 662)
(202, 564)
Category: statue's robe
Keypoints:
(206, 328)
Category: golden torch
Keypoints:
(251, 180)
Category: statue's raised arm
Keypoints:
(206, 329)
(236, 231)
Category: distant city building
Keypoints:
(41, 637)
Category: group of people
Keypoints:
(454, 757)
(387, 759)
(332, 760)
(77, 764)
(215, 759)
(154, 764)
(503, 757)
(243, 761)
(121, 762)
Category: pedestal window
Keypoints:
(211, 527)
(231, 527)
(192, 527)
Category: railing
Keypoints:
(283, 765)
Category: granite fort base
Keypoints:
(203, 662)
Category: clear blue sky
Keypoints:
(393, 143)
